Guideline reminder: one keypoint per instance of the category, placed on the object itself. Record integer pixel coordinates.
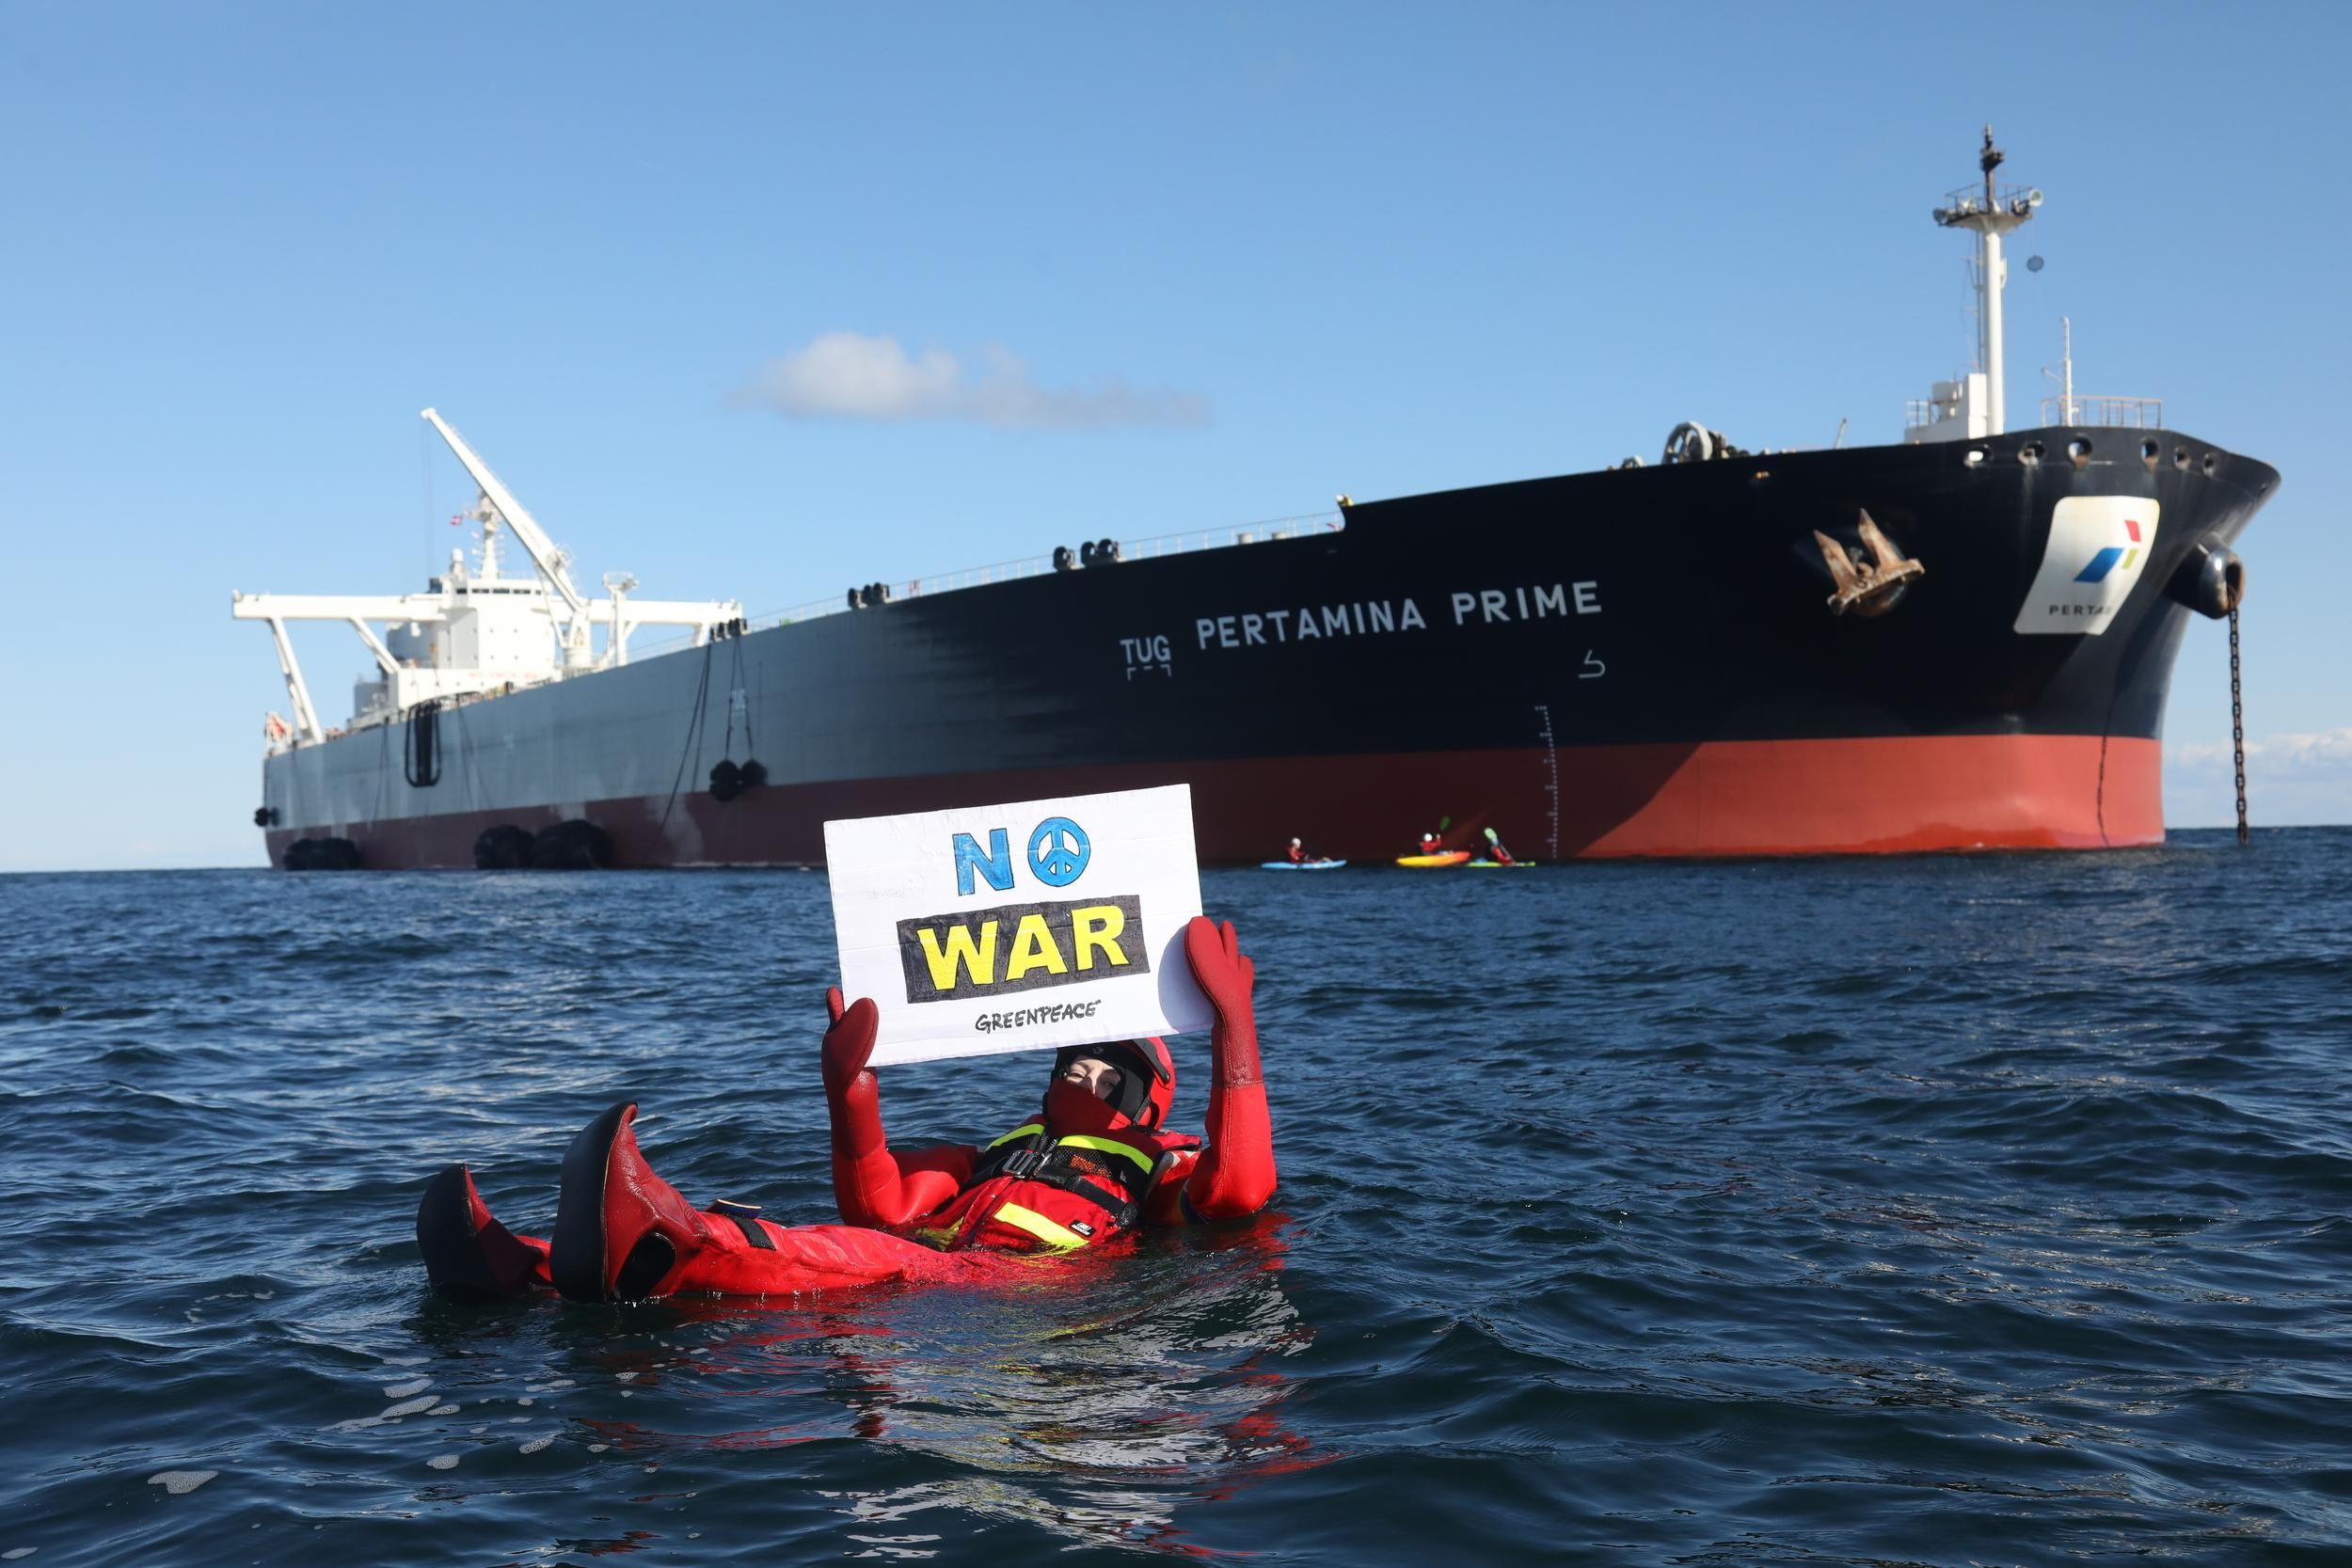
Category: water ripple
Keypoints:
(1939, 1210)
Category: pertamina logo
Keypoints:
(2097, 547)
(1025, 946)
(2111, 555)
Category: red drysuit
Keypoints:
(1080, 1172)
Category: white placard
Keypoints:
(2094, 557)
(1041, 923)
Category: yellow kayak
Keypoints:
(1452, 857)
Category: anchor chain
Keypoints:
(2238, 725)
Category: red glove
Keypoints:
(1236, 1172)
(1228, 978)
(871, 1185)
(850, 1042)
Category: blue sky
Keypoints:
(1109, 269)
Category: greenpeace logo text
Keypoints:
(1058, 1012)
(1022, 947)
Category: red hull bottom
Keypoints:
(1719, 798)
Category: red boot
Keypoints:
(622, 1233)
(469, 1255)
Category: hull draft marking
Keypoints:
(1551, 775)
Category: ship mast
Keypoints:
(1989, 216)
(2066, 382)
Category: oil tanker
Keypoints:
(1963, 639)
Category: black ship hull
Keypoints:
(1630, 662)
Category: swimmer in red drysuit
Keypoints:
(1093, 1165)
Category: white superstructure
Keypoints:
(474, 630)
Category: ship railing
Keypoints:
(1970, 198)
(2110, 413)
(1037, 565)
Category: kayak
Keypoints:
(1432, 863)
(1500, 865)
(1301, 866)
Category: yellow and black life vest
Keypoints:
(1031, 1188)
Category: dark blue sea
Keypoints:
(1969, 1210)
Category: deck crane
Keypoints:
(497, 505)
(475, 632)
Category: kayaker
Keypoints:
(1432, 845)
(1300, 855)
(1094, 1162)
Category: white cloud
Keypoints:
(849, 376)
(2293, 778)
(2316, 751)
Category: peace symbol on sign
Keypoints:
(1058, 851)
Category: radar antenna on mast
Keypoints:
(1989, 216)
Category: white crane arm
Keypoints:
(384, 660)
(298, 690)
(543, 552)
(337, 606)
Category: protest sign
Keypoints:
(1041, 923)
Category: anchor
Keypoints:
(1866, 587)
